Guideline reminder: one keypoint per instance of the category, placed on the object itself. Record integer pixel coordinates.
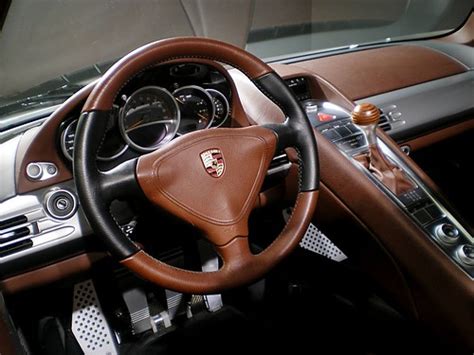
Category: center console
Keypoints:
(418, 201)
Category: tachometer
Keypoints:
(196, 106)
(221, 107)
(149, 118)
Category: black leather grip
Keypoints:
(90, 184)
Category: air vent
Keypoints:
(12, 222)
(390, 117)
(15, 247)
(12, 235)
(383, 123)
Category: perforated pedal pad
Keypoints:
(315, 241)
(89, 325)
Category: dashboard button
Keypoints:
(466, 254)
(422, 217)
(39, 171)
(325, 117)
(434, 211)
(353, 128)
(52, 169)
(343, 131)
(34, 171)
(332, 135)
(447, 233)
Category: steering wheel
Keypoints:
(209, 178)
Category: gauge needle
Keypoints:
(135, 124)
(203, 117)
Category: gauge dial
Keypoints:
(196, 106)
(149, 118)
(112, 147)
(221, 106)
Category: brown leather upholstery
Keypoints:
(176, 179)
(390, 175)
(374, 71)
(429, 139)
(51, 273)
(42, 145)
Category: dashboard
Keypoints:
(174, 99)
(155, 107)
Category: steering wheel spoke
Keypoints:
(119, 182)
(236, 254)
(285, 135)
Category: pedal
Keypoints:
(89, 325)
(137, 305)
(315, 241)
(176, 304)
(210, 262)
(179, 304)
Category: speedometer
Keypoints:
(149, 118)
(196, 106)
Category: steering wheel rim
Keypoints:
(157, 176)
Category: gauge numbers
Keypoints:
(196, 106)
(149, 119)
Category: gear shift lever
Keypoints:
(366, 116)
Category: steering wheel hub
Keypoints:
(175, 179)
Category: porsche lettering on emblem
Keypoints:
(213, 162)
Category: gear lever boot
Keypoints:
(366, 116)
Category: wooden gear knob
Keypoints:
(365, 114)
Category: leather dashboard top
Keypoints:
(374, 71)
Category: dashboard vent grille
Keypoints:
(12, 222)
(15, 247)
(384, 123)
(12, 235)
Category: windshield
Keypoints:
(49, 49)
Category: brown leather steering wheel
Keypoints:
(209, 178)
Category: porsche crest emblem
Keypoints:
(213, 161)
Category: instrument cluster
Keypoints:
(158, 106)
